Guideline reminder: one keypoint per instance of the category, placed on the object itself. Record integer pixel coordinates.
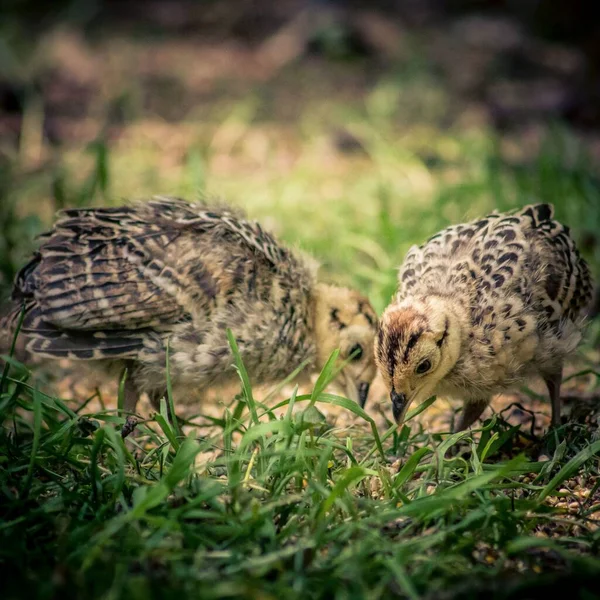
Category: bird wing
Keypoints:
(220, 219)
(431, 260)
(109, 280)
(529, 253)
(103, 269)
(567, 282)
(100, 286)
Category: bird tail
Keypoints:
(539, 214)
(559, 236)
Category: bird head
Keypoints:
(417, 344)
(346, 320)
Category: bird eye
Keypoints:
(356, 352)
(423, 367)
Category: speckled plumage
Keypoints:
(487, 304)
(119, 284)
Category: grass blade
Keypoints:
(241, 369)
(352, 475)
(259, 431)
(117, 445)
(569, 469)
(419, 409)
(95, 481)
(37, 434)
(171, 403)
(162, 420)
(121, 392)
(326, 376)
(409, 467)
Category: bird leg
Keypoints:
(553, 383)
(131, 395)
(471, 412)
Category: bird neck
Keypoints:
(449, 315)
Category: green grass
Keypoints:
(290, 506)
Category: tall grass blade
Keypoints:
(35, 445)
(569, 469)
(241, 369)
(170, 400)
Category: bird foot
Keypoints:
(129, 426)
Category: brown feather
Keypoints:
(514, 288)
(128, 282)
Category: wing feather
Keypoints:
(525, 252)
(104, 280)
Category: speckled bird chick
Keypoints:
(119, 284)
(482, 306)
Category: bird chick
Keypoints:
(126, 285)
(481, 306)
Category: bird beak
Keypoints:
(363, 393)
(400, 405)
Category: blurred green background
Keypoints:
(351, 129)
